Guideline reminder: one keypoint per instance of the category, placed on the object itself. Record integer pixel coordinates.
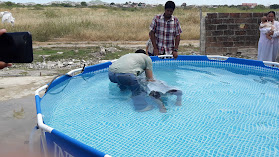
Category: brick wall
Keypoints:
(225, 33)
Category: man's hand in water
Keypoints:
(150, 80)
(175, 54)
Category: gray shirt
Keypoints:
(135, 63)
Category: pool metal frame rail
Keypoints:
(57, 144)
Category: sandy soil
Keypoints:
(17, 87)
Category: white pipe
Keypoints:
(113, 60)
(165, 56)
(273, 64)
(217, 57)
(73, 71)
(41, 123)
(37, 92)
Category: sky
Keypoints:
(177, 2)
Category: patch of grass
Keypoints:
(96, 24)
(87, 53)
(68, 53)
(63, 71)
(49, 13)
(23, 73)
(37, 7)
(116, 55)
(84, 53)
(188, 49)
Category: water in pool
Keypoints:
(226, 111)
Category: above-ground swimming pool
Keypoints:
(229, 107)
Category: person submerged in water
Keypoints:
(159, 89)
(134, 72)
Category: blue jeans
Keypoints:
(130, 81)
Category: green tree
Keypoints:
(9, 3)
(243, 8)
(274, 6)
(259, 7)
(66, 5)
(84, 4)
(55, 4)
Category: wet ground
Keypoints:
(18, 118)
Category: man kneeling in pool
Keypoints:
(125, 72)
(158, 89)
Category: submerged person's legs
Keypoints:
(178, 94)
(140, 104)
(157, 98)
(138, 94)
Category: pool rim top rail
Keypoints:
(92, 68)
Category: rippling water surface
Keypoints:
(227, 110)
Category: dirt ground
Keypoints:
(98, 43)
(13, 86)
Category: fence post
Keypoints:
(202, 34)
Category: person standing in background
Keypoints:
(165, 32)
(268, 48)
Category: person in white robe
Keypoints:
(268, 48)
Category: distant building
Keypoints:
(250, 5)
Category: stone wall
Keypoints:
(225, 33)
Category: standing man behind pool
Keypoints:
(165, 32)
